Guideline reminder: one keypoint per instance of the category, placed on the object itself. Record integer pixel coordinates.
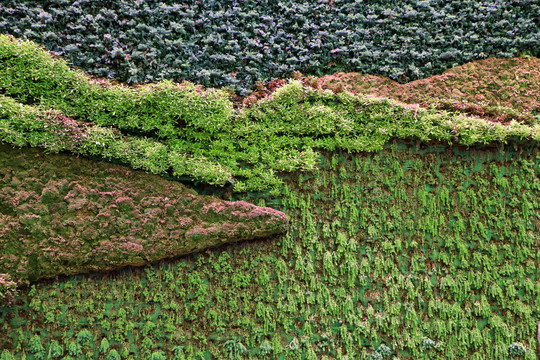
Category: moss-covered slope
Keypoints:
(513, 83)
(64, 215)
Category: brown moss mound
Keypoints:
(64, 215)
(512, 83)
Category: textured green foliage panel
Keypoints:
(410, 252)
(236, 43)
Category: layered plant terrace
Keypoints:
(412, 231)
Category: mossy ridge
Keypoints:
(497, 83)
(61, 215)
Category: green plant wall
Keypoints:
(234, 43)
(411, 252)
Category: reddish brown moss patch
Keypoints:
(64, 215)
(512, 83)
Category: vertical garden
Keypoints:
(182, 220)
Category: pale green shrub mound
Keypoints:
(183, 130)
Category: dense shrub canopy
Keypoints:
(235, 43)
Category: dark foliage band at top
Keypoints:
(236, 43)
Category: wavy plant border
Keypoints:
(245, 148)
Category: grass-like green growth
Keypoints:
(427, 252)
(185, 130)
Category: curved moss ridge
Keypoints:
(187, 131)
(63, 215)
(495, 84)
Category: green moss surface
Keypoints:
(61, 215)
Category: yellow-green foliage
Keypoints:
(24, 125)
(187, 131)
(32, 76)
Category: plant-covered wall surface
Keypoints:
(236, 43)
(411, 252)
(413, 234)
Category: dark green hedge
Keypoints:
(235, 43)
